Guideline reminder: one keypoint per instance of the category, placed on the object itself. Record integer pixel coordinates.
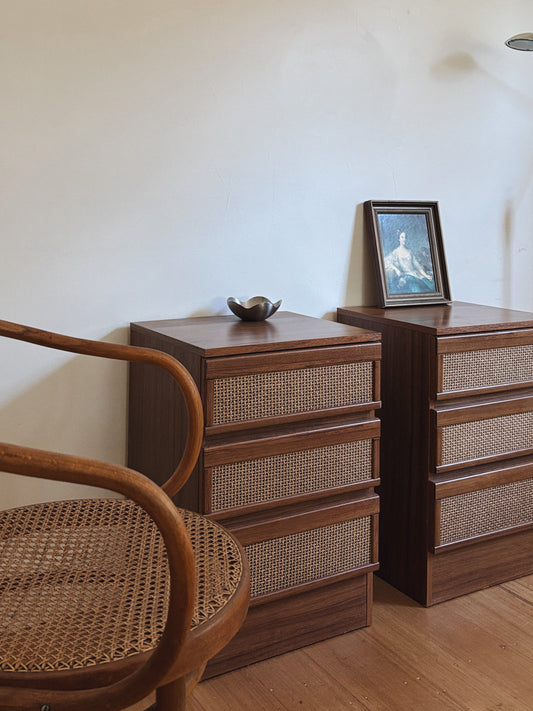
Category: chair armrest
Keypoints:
(117, 351)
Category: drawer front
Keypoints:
(485, 362)
(288, 474)
(486, 511)
(493, 437)
(485, 369)
(280, 564)
(288, 392)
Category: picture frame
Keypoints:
(408, 252)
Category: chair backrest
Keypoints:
(82, 689)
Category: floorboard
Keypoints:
(474, 653)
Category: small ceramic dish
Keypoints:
(258, 308)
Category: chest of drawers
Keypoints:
(289, 463)
(457, 446)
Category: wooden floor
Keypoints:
(474, 653)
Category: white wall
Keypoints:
(158, 157)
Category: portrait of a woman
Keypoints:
(408, 253)
(404, 271)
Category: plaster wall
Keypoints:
(159, 157)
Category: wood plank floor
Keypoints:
(474, 653)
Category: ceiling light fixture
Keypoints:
(523, 41)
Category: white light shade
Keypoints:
(523, 42)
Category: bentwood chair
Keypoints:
(104, 600)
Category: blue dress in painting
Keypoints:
(404, 272)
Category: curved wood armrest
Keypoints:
(135, 486)
(117, 351)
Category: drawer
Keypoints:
(284, 387)
(484, 363)
(260, 473)
(475, 433)
(483, 513)
(299, 550)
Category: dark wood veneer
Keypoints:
(454, 318)
(223, 347)
(413, 481)
(291, 360)
(292, 519)
(249, 448)
(291, 622)
(479, 477)
(477, 566)
(212, 336)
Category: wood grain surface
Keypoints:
(473, 653)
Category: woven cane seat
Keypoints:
(94, 610)
(86, 582)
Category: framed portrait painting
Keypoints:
(408, 251)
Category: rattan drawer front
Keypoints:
(488, 368)
(287, 392)
(283, 563)
(478, 513)
(492, 437)
(274, 477)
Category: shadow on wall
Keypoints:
(455, 66)
(217, 307)
(361, 285)
(460, 64)
(507, 244)
(80, 408)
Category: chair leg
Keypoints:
(171, 697)
(193, 678)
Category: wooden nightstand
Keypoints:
(456, 447)
(289, 463)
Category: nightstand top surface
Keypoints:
(444, 319)
(226, 335)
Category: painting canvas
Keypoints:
(408, 251)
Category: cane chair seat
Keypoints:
(104, 601)
(86, 582)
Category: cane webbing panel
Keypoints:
(281, 563)
(86, 582)
(485, 438)
(478, 512)
(487, 368)
(285, 392)
(259, 480)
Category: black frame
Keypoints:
(425, 281)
